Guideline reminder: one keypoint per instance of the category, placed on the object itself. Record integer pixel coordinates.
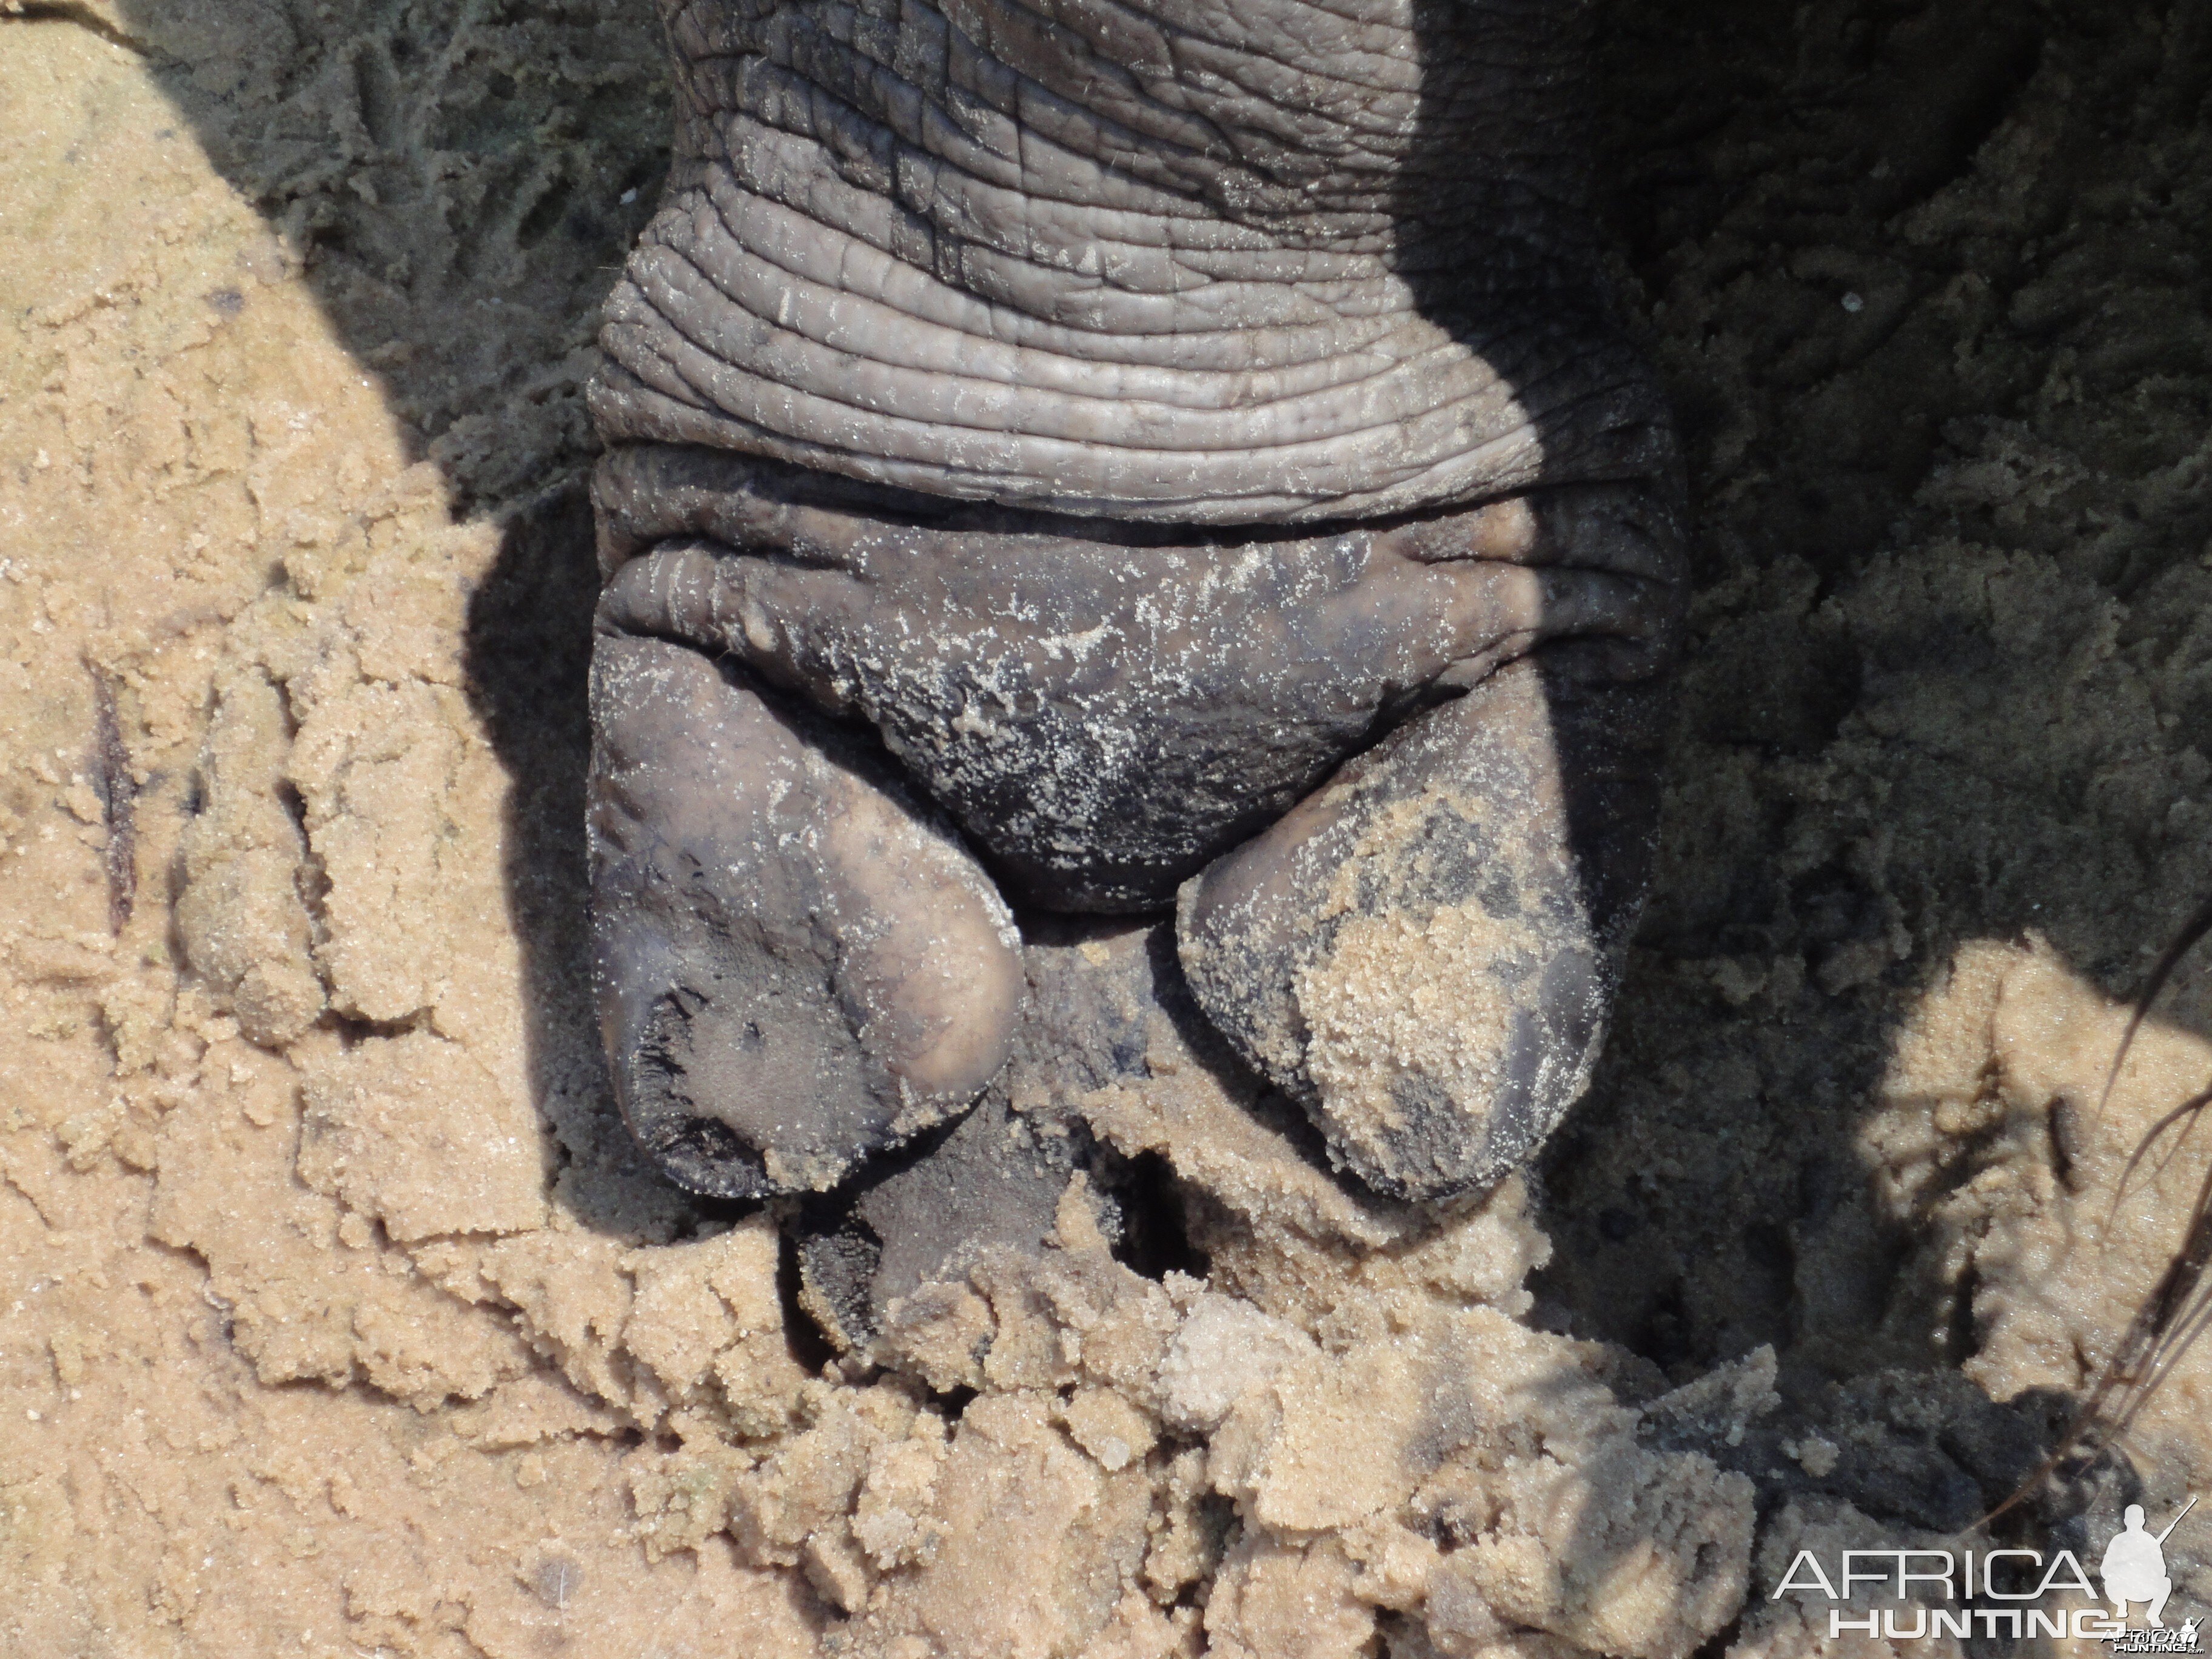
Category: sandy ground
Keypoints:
(336, 1317)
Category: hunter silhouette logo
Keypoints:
(2134, 1568)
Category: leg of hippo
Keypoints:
(1188, 448)
(794, 966)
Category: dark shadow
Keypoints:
(1155, 1239)
(459, 182)
(1858, 227)
(1769, 973)
(528, 657)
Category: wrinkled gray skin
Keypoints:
(1104, 457)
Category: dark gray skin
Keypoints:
(1114, 459)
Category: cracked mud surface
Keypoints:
(339, 1317)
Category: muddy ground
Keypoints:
(335, 1314)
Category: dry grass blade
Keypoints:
(2172, 1317)
(2178, 1308)
(2187, 940)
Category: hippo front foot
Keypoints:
(1399, 777)
(794, 965)
(1157, 427)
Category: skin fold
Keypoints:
(1114, 459)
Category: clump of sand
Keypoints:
(341, 1319)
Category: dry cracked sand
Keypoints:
(336, 1316)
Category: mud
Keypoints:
(339, 1316)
